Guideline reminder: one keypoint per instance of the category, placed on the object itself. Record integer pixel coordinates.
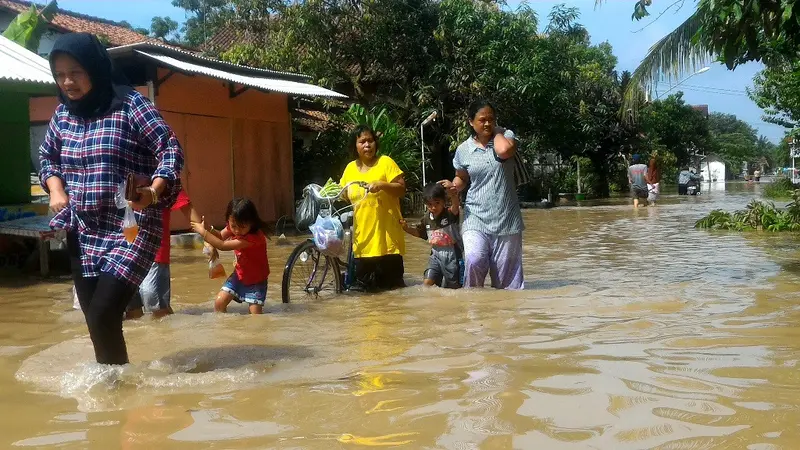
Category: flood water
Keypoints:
(635, 331)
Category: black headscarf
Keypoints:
(109, 87)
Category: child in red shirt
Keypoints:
(154, 292)
(243, 235)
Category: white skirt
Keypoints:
(653, 191)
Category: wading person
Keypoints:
(102, 131)
(637, 174)
(653, 182)
(378, 237)
(492, 227)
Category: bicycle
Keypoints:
(311, 274)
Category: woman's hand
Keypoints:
(58, 200)
(377, 186)
(448, 186)
(199, 227)
(145, 199)
(404, 224)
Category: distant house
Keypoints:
(702, 108)
(713, 169)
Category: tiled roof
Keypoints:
(316, 121)
(74, 22)
(223, 39)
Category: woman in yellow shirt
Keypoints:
(378, 238)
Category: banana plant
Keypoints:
(29, 26)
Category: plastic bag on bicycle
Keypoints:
(328, 235)
(307, 211)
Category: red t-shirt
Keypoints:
(162, 257)
(252, 265)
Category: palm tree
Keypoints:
(677, 53)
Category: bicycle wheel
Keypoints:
(309, 275)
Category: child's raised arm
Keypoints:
(220, 242)
(455, 197)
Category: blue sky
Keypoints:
(722, 90)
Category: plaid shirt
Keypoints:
(92, 157)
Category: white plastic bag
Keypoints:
(328, 235)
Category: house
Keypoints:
(713, 169)
(233, 122)
(22, 74)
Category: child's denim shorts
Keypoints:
(253, 294)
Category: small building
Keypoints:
(22, 74)
(233, 122)
(713, 169)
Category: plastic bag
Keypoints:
(130, 228)
(328, 235)
(215, 267)
(307, 211)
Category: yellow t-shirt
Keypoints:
(377, 230)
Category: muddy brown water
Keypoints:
(635, 331)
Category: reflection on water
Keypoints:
(635, 331)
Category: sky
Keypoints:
(722, 90)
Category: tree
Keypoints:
(733, 31)
(776, 90)
(677, 127)
(205, 17)
(161, 27)
(555, 89)
(734, 141)
(29, 26)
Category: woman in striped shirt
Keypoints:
(102, 131)
(492, 228)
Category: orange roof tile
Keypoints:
(74, 22)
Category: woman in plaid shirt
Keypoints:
(102, 131)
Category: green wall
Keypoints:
(15, 153)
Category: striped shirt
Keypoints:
(492, 205)
(92, 157)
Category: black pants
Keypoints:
(380, 273)
(103, 300)
(683, 189)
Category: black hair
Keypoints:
(473, 109)
(243, 211)
(433, 191)
(358, 131)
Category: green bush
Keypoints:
(757, 215)
(780, 188)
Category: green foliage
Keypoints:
(735, 141)
(757, 215)
(740, 31)
(781, 188)
(676, 126)
(162, 27)
(558, 92)
(28, 27)
(776, 90)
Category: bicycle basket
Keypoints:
(328, 235)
